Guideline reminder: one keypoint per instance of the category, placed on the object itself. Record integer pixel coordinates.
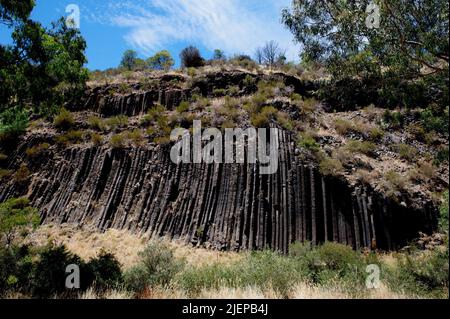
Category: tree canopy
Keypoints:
(398, 49)
(161, 61)
(43, 68)
(129, 60)
(366, 37)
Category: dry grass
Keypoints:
(87, 243)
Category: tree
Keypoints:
(398, 49)
(270, 54)
(42, 70)
(161, 61)
(16, 216)
(410, 40)
(191, 58)
(259, 56)
(12, 11)
(129, 59)
(219, 55)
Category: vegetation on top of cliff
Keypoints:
(41, 71)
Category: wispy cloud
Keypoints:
(236, 26)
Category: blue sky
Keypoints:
(110, 27)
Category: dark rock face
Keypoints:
(170, 94)
(226, 206)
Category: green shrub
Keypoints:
(16, 216)
(405, 151)
(265, 269)
(13, 123)
(393, 119)
(363, 147)
(105, 271)
(443, 218)
(64, 120)
(307, 140)
(22, 175)
(136, 137)
(202, 103)
(96, 123)
(157, 266)
(116, 122)
(117, 141)
(249, 81)
(70, 137)
(376, 134)
(394, 183)
(285, 121)
(96, 139)
(330, 166)
(153, 115)
(49, 277)
(37, 150)
(263, 119)
(421, 273)
(219, 92)
(5, 173)
(442, 155)
(343, 126)
(16, 270)
(435, 119)
(183, 107)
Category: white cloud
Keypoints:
(234, 26)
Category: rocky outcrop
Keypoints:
(225, 206)
(170, 91)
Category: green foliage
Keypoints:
(50, 271)
(330, 166)
(307, 140)
(443, 219)
(96, 139)
(40, 272)
(442, 155)
(421, 273)
(16, 215)
(70, 137)
(353, 48)
(243, 61)
(13, 123)
(249, 81)
(157, 266)
(43, 68)
(405, 151)
(264, 117)
(129, 59)
(96, 123)
(37, 150)
(136, 137)
(153, 115)
(183, 107)
(219, 55)
(401, 62)
(161, 61)
(117, 141)
(393, 119)
(435, 120)
(64, 120)
(363, 147)
(16, 269)
(105, 271)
